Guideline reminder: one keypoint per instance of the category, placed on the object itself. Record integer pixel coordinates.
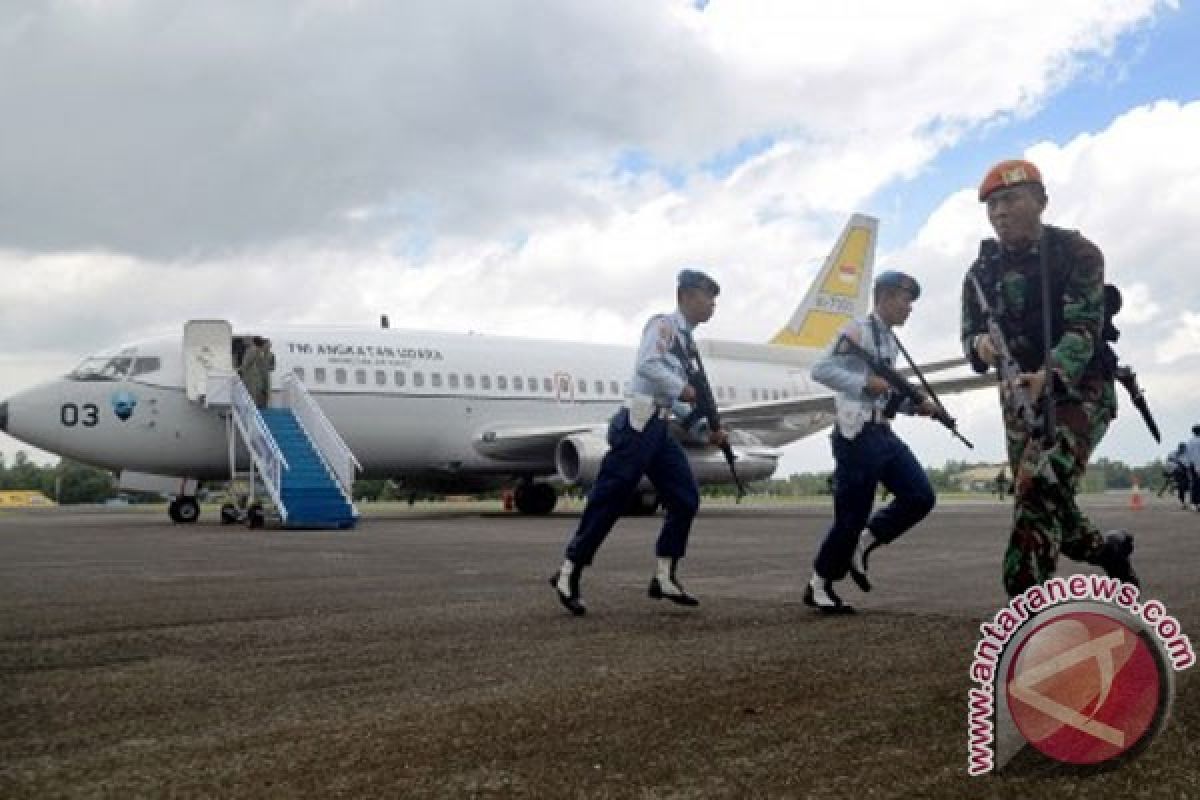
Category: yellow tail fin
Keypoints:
(841, 291)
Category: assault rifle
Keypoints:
(1013, 393)
(1128, 378)
(847, 346)
(1169, 482)
(705, 406)
(1109, 359)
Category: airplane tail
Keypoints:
(841, 290)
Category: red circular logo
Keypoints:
(1084, 688)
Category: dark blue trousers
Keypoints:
(875, 456)
(655, 454)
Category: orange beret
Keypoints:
(1008, 173)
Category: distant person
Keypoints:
(1193, 457)
(642, 444)
(257, 363)
(1046, 474)
(866, 450)
(1179, 471)
(1001, 484)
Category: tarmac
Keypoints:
(424, 655)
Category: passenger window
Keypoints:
(435, 379)
(485, 381)
(360, 377)
(532, 384)
(501, 382)
(582, 386)
(339, 375)
(452, 380)
(599, 387)
(753, 395)
(774, 394)
(399, 376)
(319, 374)
(721, 393)
(614, 388)
(547, 386)
(626, 390)
(518, 384)
(418, 379)
(469, 381)
(298, 372)
(380, 378)
(564, 386)
(732, 393)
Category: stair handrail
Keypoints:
(329, 443)
(260, 442)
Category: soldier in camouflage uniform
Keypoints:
(1046, 518)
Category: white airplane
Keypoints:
(441, 411)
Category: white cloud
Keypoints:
(454, 164)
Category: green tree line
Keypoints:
(70, 482)
(66, 482)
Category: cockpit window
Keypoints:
(111, 368)
(146, 364)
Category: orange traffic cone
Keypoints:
(1135, 499)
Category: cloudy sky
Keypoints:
(543, 168)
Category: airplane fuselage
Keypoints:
(405, 402)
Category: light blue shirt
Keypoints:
(659, 373)
(847, 374)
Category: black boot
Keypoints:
(668, 586)
(1114, 557)
(858, 562)
(820, 595)
(566, 586)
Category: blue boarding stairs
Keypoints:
(301, 460)
(309, 495)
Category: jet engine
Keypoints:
(578, 458)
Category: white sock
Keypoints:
(663, 572)
(865, 540)
(567, 568)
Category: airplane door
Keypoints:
(564, 389)
(207, 347)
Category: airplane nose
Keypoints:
(4, 416)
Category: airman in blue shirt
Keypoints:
(866, 450)
(641, 444)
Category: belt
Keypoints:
(660, 412)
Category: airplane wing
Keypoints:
(528, 443)
(935, 366)
(777, 421)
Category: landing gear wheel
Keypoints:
(229, 514)
(255, 518)
(184, 510)
(535, 498)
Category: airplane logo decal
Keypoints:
(123, 404)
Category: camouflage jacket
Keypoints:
(1012, 283)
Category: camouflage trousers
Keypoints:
(1046, 518)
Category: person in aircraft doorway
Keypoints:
(641, 444)
(257, 363)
